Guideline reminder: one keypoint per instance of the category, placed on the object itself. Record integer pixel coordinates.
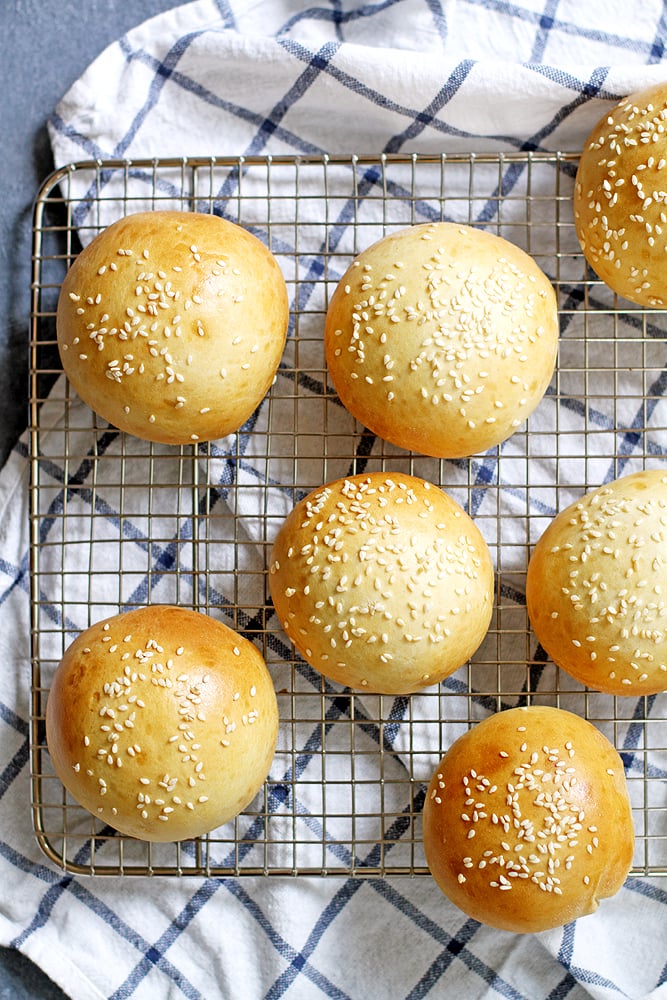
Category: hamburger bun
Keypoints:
(527, 820)
(382, 582)
(442, 339)
(171, 325)
(162, 722)
(596, 588)
(620, 194)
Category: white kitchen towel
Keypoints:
(399, 76)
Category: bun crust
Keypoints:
(527, 820)
(442, 339)
(171, 325)
(619, 197)
(382, 582)
(162, 722)
(596, 588)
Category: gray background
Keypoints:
(46, 45)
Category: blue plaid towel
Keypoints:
(256, 77)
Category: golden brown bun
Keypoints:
(619, 198)
(442, 339)
(596, 588)
(527, 820)
(162, 722)
(171, 325)
(382, 582)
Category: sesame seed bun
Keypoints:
(162, 722)
(171, 325)
(382, 582)
(620, 197)
(596, 588)
(442, 339)
(527, 820)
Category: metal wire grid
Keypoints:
(117, 521)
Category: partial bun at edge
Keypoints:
(619, 197)
(527, 820)
(162, 722)
(596, 587)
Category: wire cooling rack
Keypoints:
(117, 522)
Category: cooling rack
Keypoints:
(116, 522)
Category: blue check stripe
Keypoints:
(10, 718)
(228, 17)
(566, 950)
(152, 957)
(657, 52)
(564, 988)
(456, 947)
(610, 40)
(427, 117)
(330, 912)
(546, 23)
(300, 963)
(18, 577)
(284, 950)
(18, 761)
(219, 102)
(318, 62)
(336, 15)
(375, 97)
(584, 92)
(162, 75)
(57, 886)
(180, 925)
